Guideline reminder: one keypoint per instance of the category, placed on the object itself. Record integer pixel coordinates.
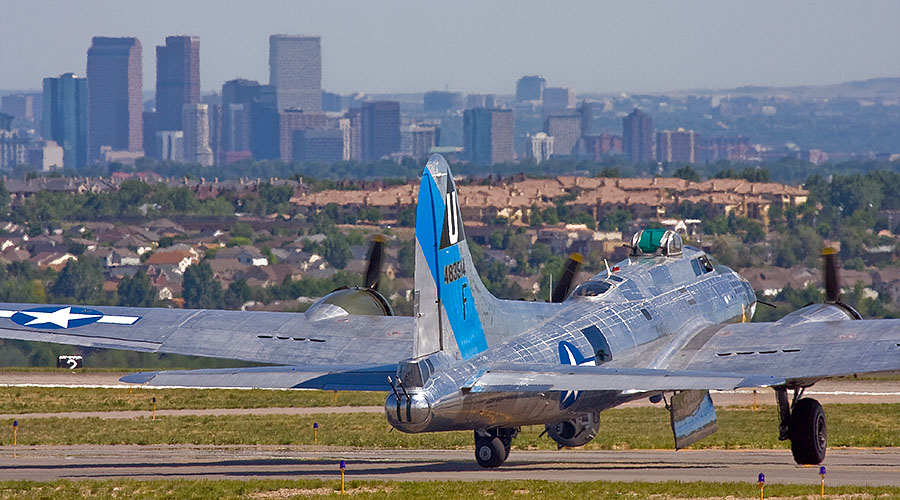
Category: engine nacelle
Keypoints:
(353, 300)
(578, 431)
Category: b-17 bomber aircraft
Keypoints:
(667, 323)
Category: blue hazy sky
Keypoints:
(477, 46)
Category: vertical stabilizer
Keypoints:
(447, 289)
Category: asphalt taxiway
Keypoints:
(43, 463)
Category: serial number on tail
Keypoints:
(454, 271)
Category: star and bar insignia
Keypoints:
(64, 317)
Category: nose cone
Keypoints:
(408, 412)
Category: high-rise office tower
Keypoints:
(380, 129)
(637, 137)
(114, 95)
(196, 134)
(586, 111)
(65, 117)
(530, 88)
(177, 79)
(237, 96)
(21, 106)
(326, 146)
(488, 136)
(265, 125)
(295, 70)
(565, 129)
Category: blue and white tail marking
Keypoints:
(445, 307)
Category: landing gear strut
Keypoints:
(803, 422)
(492, 446)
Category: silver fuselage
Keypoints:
(655, 305)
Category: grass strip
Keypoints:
(627, 428)
(200, 489)
(59, 399)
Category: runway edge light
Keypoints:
(822, 473)
(343, 466)
(762, 484)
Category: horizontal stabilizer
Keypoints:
(330, 378)
(540, 378)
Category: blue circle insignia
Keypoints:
(56, 317)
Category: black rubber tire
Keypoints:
(507, 444)
(489, 452)
(809, 436)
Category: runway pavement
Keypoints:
(42, 463)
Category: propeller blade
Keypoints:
(565, 283)
(373, 270)
(832, 282)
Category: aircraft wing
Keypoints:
(265, 337)
(801, 352)
(328, 378)
(539, 378)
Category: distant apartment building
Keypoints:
(440, 101)
(114, 95)
(292, 120)
(353, 132)
(488, 136)
(295, 71)
(558, 99)
(318, 145)
(44, 155)
(380, 129)
(237, 97)
(177, 79)
(602, 145)
(20, 106)
(65, 117)
(565, 129)
(13, 149)
(540, 147)
(170, 144)
(196, 134)
(679, 146)
(637, 137)
(730, 148)
(417, 140)
(6, 121)
(530, 88)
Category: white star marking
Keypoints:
(572, 362)
(60, 317)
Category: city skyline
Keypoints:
(469, 47)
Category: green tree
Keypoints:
(241, 229)
(337, 251)
(688, 173)
(201, 290)
(136, 291)
(81, 281)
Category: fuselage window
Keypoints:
(707, 265)
(616, 278)
(592, 288)
(646, 314)
(695, 264)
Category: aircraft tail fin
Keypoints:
(448, 291)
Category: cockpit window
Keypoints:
(613, 277)
(592, 288)
(707, 265)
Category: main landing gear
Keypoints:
(492, 445)
(803, 422)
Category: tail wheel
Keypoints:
(808, 433)
(489, 451)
